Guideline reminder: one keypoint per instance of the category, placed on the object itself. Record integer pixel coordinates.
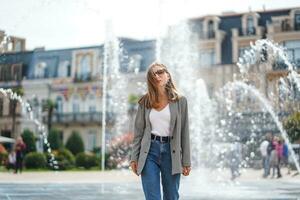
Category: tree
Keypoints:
(54, 138)
(292, 127)
(14, 103)
(49, 105)
(75, 143)
(29, 140)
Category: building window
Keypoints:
(211, 32)
(63, 69)
(91, 103)
(1, 106)
(135, 63)
(40, 70)
(17, 72)
(18, 46)
(92, 138)
(250, 30)
(293, 51)
(207, 58)
(85, 67)
(285, 25)
(59, 104)
(296, 92)
(76, 104)
(297, 20)
(12, 107)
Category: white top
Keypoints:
(160, 121)
(263, 148)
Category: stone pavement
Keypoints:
(202, 184)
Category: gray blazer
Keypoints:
(179, 130)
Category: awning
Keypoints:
(6, 140)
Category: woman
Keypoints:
(279, 153)
(161, 144)
(20, 151)
(273, 156)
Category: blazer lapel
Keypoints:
(173, 112)
(147, 113)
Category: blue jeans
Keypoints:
(159, 165)
(266, 165)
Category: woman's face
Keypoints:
(161, 77)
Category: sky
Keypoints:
(57, 24)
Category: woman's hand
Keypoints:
(133, 166)
(186, 171)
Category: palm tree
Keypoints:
(49, 105)
(14, 103)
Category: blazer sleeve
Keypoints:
(139, 126)
(185, 134)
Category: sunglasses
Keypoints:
(159, 72)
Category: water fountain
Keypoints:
(114, 88)
(178, 51)
(267, 106)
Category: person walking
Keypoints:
(274, 156)
(234, 157)
(279, 153)
(20, 151)
(161, 145)
(11, 163)
(265, 157)
(285, 156)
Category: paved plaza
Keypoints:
(113, 185)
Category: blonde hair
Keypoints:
(150, 99)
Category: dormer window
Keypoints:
(250, 30)
(85, 67)
(18, 46)
(250, 24)
(63, 69)
(40, 70)
(211, 32)
(297, 20)
(84, 63)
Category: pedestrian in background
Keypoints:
(20, 148)
(265, 156)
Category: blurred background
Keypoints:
(71, 73)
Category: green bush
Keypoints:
(35, 160)
(65, 159)
(86, 160)
(54, 138)
(75, 143)
(29, 140)
(3, 158)
(292, 126)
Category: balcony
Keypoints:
(280, 65)
(82, 118)
(248, 122)
(205, 35)
(247, 31)
(283, 24)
